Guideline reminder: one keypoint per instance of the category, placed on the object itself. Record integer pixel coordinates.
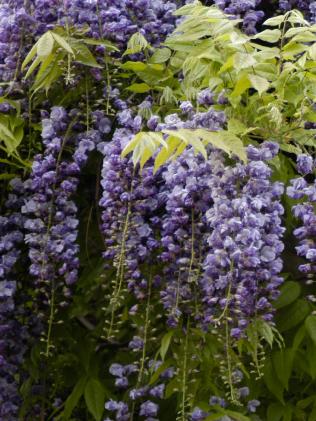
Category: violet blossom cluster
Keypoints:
(300, 189)
(209, 118)
(188, 190)
(188, 196)
(141, 397)
(305, 6)
(51, 214)
(245, 9)
(241, 270)
(116, 20)
(12, 333)
(120, 19)
(14, 21)
(242, 394)
(130, 203)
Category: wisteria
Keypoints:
(130, 202)
(51, 214)
(148, 253)
(245, 9)
(13, 335)
(304, 211)
(241, 269)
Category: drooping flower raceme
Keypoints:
(246, 9)
(12, 333)
(51, 214)
(301, 190)
(241, 270)
(130, 204)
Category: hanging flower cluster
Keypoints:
(219, 237)
(191, 247)
(186, 188)
(241, 270)
(50, 213)
(306, 6)
(12, 334)
(301, 190)
(130, 203)
(247, 10)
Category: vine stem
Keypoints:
(87, 104)
(229, 365)
(184, 372)
(49, 224)
(143, 357)
(120, 266)
(108, 77)
(141, 370)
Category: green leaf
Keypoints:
(136, 66)
(74, 397)
(214, 417)
(62, 43)
(29, 56)
(168, 96)
(45, 64)
(236, 415)
(310, 324)
(229, 64)
(52, 73)
(312, 415)
(269, 35)
(165, 343)
(290, 148)
(95, 394)
(139, 88)
(165, 153)
(131, 144)
(272, 382)
(8, 138)
(189, 137)
(259, 83)
(33, 66)
(236, 126)
(243, 61)
(293, 315)
(45, 45)
(289, 292)
(136, 44)
(299, 337)
(275, 412)
(312, 51)
(143, 145)
(7, 176)
(283, 365)
(275, 21)
(242, 84)
(224, 140)
(265, 330)
(105, 43)
(84, 56)
(161, 55)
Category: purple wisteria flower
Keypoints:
(198, 415)
(241, 270)
(148, 409)
(245, 9)
(305, 164)
(50, 213)
(13, 335)
(304, 211)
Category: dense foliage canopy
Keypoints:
(158, 219)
